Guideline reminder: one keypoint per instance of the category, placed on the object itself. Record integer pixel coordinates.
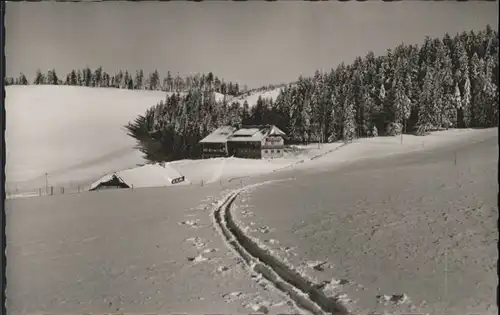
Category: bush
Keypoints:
(374, 132)
(394, 129)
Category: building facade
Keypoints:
(272, 147)
(248, 142)
(215, 144)
(256, 142)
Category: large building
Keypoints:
(214, 145)
(257, 142)
(254, 142)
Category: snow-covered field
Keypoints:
(142, 251)
(368, 232)
(75, 134)
(218, 170)
(411, 234)
(374, 227)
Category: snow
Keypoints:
(124, 251)
(150, 175)
(371, 233)
(220, 135)
(72, 133)
(402, 233)
(228, 169)
(75, 134)
(87, 141)
(379, 147)
(254, 97)
(219, 97)
(90, 142)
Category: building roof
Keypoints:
(219, 135)
(255, 133)
(149, 175)
(245, 132)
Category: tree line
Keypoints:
(127, 80)
(446, 82)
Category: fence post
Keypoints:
(51, 190)
(40, 191)
(62, 190)
(202, 183)
(78, 188)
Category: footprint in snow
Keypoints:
(272, 241)
(318, 265)
(394, 298)
(332, 285)
(264, 229)
(197, 259)
(191, 223)
(196, 241)
(342, 298)
(222, 269)
(248, 229)
(233, 296)
(209, 250)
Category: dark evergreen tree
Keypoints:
(79, 78)
(22, 79)
(39, 78)
(9, 81)
(97, 78)
(139, 78)
(52, 77)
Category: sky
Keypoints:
(254, 43)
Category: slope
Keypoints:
(71, 133)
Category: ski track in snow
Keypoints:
(300, 290)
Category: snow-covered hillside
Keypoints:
(254, 96)
(76, 134)
(72, 133)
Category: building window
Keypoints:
(265, 151)
(278, 151)
(272, 151)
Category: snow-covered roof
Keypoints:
(275, 131)
(245, 132)
(150, 175)
(255, 133)
(219, 135)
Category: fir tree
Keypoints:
(52, 77)
(22, 79)
(9, 81)
(79, 78)
(349, 125)
(73, 78)
(154, 81)
(39, 78)
(139, 77)
(169, 82)
(97, 77)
